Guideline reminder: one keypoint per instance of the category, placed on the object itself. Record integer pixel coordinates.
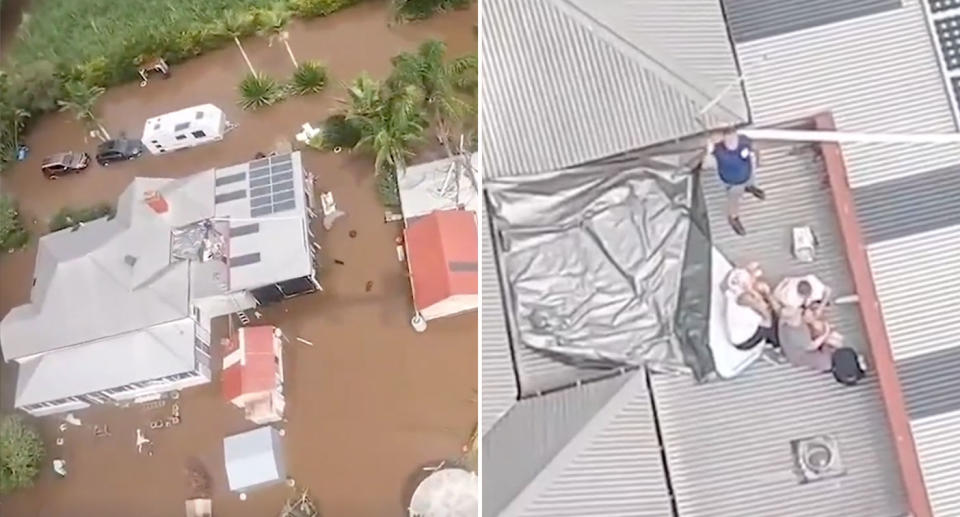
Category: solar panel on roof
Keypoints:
(272, 186)
(948, 35)
(939, 6)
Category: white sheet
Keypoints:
(729, 361)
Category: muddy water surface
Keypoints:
(368, 403)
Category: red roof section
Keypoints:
(442, 253)
(256, 372)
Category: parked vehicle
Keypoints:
(117, 150)
(61, 164)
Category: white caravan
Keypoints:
(185, 128)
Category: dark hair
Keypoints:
(729, 131)
(804, 288)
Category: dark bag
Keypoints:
(847, 368)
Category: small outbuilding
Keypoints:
(254, 459)
(442, 258)
(252, 377)
(184, 128)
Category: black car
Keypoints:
(117, 150)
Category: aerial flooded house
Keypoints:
(439, 201)
(252, 377)
(121, 307)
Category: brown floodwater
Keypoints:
(368, 404)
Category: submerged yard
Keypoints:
(368, 404)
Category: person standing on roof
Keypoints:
(736, 165)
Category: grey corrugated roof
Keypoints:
(908, 205)
(612, 467)
(152, 353)
(755, 19)
(876, 73)
(728, 445)
(562, 85)
(499, 381)
(937, 440)
(524, 440)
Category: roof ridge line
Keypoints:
(565, 452)
(659, 59)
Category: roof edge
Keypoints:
(877, 337)
(661, 63)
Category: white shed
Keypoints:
(254, 459)
(184, 128)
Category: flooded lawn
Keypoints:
(368, 403)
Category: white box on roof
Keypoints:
(184, 128)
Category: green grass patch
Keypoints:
(12, 233)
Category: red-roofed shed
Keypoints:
(442, 255)
(252, 376)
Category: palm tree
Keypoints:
(441, 84)
(81, 99)
(273, 24)
(388, 119)
(235, 25)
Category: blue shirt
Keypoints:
(734, 165)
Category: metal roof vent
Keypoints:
(130, 260)
(817, 458)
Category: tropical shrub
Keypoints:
(311, 8)
(310, 77)
(258, 91)
(419, 9)
(336, 131)
(72, 218)
(12, 233)
(387, 188)
(21, 452)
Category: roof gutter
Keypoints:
(890, 387)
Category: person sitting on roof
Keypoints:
(749, 315)
(805, 337)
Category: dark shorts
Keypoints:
(762, 335)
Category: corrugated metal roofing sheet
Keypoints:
(729, 453)
(560, 88)
(914, 204)
(613, 467)
(876, 73)
(930, 382)
(689, 36)
(938, 446)
(524, 440)
(498, 379)
(918, 286)
(755, 19)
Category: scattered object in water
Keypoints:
(401, 254)
(156, 424)
(60, 441)
(330, 211)
(390, 217)
(259, 156)
(352, 234)
(369, 286)
(291, 482)
(149, 65)
(243, 496)
(72, 420)
(338, 261)
(175, 410)
(141, 441)
(804, 244)
(304, 341)
(419, 324)
(63, 427)
(22, 153)
(258, 314)
(101, 431)
(308, 133)
(60, 467)
(282, 432)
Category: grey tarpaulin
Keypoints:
(608, 262)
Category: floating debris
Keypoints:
(72, 420)
(369, 286)
(338, 261)
(352, 234)
(304, 341)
